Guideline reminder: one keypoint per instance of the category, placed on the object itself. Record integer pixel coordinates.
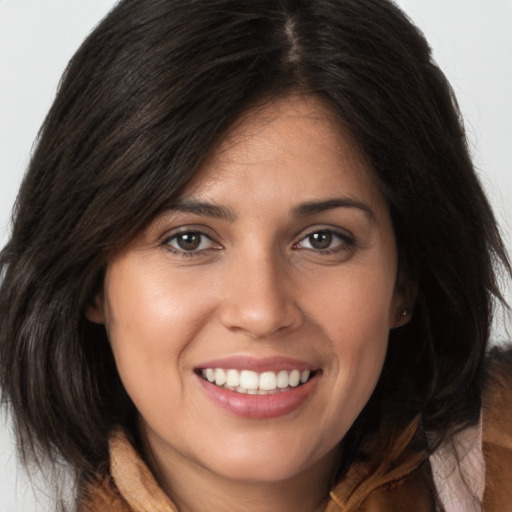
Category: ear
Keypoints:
(403, 303)
(401, 317)
(95, 311)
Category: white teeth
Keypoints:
(220, 377)
(233, 378)
(282, 379)
(268, 381)
(294, 378)
(247, 381)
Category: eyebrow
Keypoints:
(208, 209)
(312, 207)
(203, 208)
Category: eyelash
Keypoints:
(183, 252)
(346, 242)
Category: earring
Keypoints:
(405, 313)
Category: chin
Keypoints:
(270, 471)
(268, 464)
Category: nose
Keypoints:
(260, 299)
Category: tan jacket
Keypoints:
(407, 485)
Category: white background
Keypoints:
(472, 42)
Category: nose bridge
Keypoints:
(260, 298)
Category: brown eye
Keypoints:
(326, 241)
(189, 241)
(320, 240)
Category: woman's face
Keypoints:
(275, 271)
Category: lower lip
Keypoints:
(260, 406)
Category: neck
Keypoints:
(253, 497)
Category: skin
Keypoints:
(257, 285)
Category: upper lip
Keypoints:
(259, 365)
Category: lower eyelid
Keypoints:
(344, 242)
(344, 239)
(167, 242)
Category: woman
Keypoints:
(252, 268)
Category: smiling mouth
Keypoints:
(254, 383)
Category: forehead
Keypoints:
(295, 144)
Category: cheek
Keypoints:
(151, 325)
(356, 321)
(151, 308)
(355, 306)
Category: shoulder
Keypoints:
(497, 429)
